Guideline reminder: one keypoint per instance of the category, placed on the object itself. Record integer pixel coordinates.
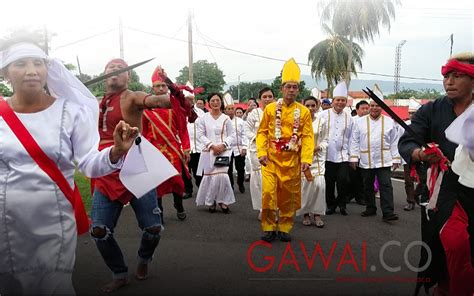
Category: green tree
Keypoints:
(5, 91)
(425, 93)
(247, 90)
(206, 75)
(303, 91)
(359, 20)
(329, 58)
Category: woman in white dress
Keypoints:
(37, 222)
(266, 96)
(216, 134)
(313, 194)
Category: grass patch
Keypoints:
(83, 183)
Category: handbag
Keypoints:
(222, 161)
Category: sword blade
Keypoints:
(108, 75)
(395, 117)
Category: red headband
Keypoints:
(455, 65)
(116, 61)
(157, 75)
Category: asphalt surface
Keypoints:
(211, 254)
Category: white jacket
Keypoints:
(374, 142)
(339, 131)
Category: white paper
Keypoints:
(144, 168)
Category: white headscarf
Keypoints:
(61, 82)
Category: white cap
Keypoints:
(340, 90)
(316, 93)
(228, 100)
(187, 93)
(413, 104)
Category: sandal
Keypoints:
(225, 209)
(212, 208)
(306, 220)
(319, 222)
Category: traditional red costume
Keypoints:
(166, 129)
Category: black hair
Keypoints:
(264, 90)
(310, 98)
(209, 97)
(252, 99)
(363, 102)
(239, 108)
(354, 113)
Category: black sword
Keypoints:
(395, 117)
(105, 76)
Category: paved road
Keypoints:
(208, 254)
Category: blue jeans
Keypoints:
(105, 214)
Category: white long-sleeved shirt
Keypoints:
(251, 128)
(374, 142)
(241, 140)
(339, 131)
(196, 145)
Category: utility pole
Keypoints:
(452, 41)
(238, 86)
(46, 45)
(398, 65)
(78, 65)
(190, 48)
(121, 38)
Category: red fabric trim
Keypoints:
(47, 165)
(455, 65)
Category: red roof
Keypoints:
(401, 111)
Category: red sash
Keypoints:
(47, 165)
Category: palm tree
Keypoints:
(330, 57)
(357, 19)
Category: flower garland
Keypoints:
(291, 145)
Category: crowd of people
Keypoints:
(300, 159)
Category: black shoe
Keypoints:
(284, 237)
(391, 217)
(187, 195)
(269, 236)
(368, 213)
(330, 211)
(242, 188)
(343, 211)
(409, 207)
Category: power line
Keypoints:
(86, 38)
(271, 58)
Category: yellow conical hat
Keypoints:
(291, 72)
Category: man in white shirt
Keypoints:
(373, 147)
(337, 167)
(357, 183)
(195, 147)
(239, 148)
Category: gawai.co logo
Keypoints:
(329, 257)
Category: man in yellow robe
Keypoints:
(285, 148)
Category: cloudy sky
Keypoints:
(276, 29)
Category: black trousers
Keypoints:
(240, 167)
(337, 174)
(356, 185)
(384, 176)
(192, 165)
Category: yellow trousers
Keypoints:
(281, 189)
